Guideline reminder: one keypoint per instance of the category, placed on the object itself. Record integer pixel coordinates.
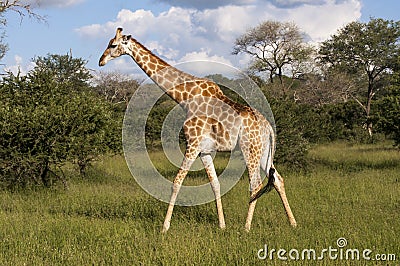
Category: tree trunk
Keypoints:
(368, 106)
(44, 174)
(280, 74)
(82, 164)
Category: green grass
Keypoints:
(106, 219)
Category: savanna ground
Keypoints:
(351, 191)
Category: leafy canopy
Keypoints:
(372, 47)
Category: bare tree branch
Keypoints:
(21, 9)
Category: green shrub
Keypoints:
(346, 122)
(292, 146)
(387, 115)
(44, 123)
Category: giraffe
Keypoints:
(213, 123)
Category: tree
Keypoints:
(116, 88)
(95, 128)
(276, 47)
(22, 9)
(19, 7)
(323, 89)
(64, 69)
(368, 51)
(3, 46)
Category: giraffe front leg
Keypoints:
(215, 185)
(175, 190)
(184, 169)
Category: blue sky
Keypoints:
(177, 30)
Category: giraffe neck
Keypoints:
(168, 78)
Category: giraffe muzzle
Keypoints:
(102, 62)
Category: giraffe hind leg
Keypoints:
(280, 188)
(267, 188)
(255, 186)
(278, 184)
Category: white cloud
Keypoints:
(185, 33)
(136, 22)
(159, 49)
(92, 31)
(206, 4)
(226, 23)
(203, 56)
(20, 67)
(203, 64)
(322, 21)
(212, 4)
(296, 3)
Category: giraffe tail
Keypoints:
(267, 188)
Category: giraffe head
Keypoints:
(119, 45)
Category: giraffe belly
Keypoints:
(210, 144)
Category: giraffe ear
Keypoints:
(118, 34)
(126, 39)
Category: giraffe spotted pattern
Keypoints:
(213, 123)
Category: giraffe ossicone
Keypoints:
(213, 122)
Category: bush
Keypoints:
(44, 123)
(346, 122)
(387, 115)
(292, 146)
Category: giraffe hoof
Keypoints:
(247, 229)
(165, 228)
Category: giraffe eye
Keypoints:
(113, 46)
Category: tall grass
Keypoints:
(106, 219)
